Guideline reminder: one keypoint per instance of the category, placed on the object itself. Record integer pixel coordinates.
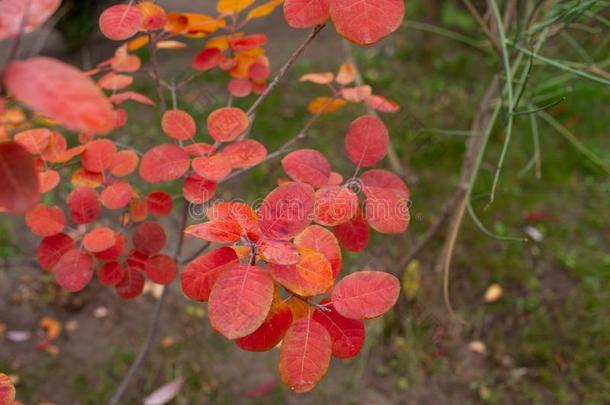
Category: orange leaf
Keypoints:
(44, 220)
(117, 195)
(113, 81)
(312, 275)
(84, 178)
(232, 6)
(99, 239)
(356, 94)
(61, 93)
(226, 124)
(246, 153)
(98, 155)
(7, 389)
(325, 105)
(366, 294)
(318, 78)
(153, 16)
(34, 140)
(48, 180)
(120, 98)
(124, 163)
(18, 179)
(321, 240)
(304, 355)
(264, 9)
(213, 168)
(240, 300)
(346, 74)
(178, 124)
(382, 104)
(278, 252)
(216, 231)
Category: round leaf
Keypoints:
(365, 294)
(200, 275)
(74, 270)
(227, 123)
(164, 162)
(286, 211)
(366, 21)
(308, 166)
(120, 22)
(367, 141)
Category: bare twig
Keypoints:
(153, 326)
(295, 55)
(152, 46)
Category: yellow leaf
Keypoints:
(232, 6)
(493, 293)
(411, 279)
(137, 43)
(264, 9)
(325, 105)
(170, 45)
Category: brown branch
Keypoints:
(153, 325)
(295, 55)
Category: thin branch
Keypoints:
(473, 11)
(153, 325)
(295, 55)
(195, 255)
(152, 47)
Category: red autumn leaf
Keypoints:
(124, 163)
(74, 270)
(306, 13)
(117, 195)
(198, 190)
(387, 201)
(131, 286)
(308, 166)
(55, 149)
(99, 239)
(111, 274)
(120, 98)
(248, 42)
(240, 88)
(258, 71)
(347, 335)
(161, 269)
(246, 153)
(149, 238)
(278, 252)
(207, 59)
(7, 390)
(353, 235)
(178, 124)
(60, 92)
(136, 260)
(305, 355)
(115, 251)
(34, 140)
(159, 203)
(199, 149)
(114, 81)
(164, 162)
(335, 179)
(52, 248)
(120, 118)
(18, 179)
(335, 205)
(382, 104)
(312, 275)
(45, 221)
(98, 155)
(227, 123)
(321, 240)
(286, 211)
(120, 22)
(270, 333)
(214, 168)
(138, 210)
(12, 14)
(240, 300)
(200, 275)
(47, 180)
(84, 205)
(367, 141)
(366, 294)
(238, 212)
(216, 231)
(366, 21)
